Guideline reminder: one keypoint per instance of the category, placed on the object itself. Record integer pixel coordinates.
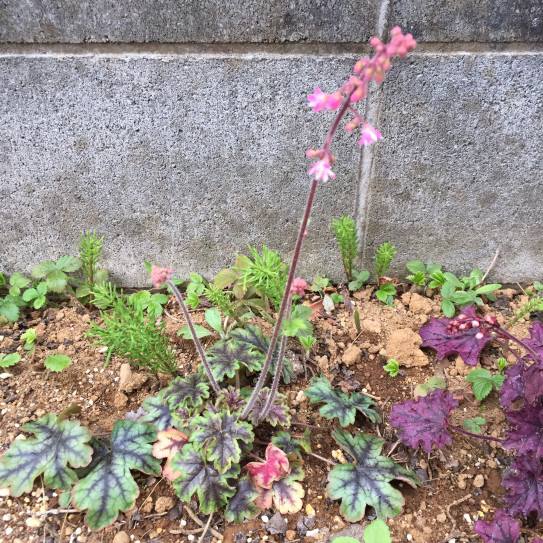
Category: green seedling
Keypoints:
(392, 367)
(221, 329)
(30, 340)
(8, 360)
(9, 307)
(433, 383)
(307, 342)
(2, 280)
(420, 272)
(474, 425)
(55, 273)
(359, 278)
(17, 282)
(383, 258)
(483, 382)
(356, 319)
(90, 248)
(501, 363)
(347, 238)
(386, 293)
(319, 284)
(36, 296)
(56, 363)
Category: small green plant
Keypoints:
(153, 304)
(386, 293)
(319, 284)
(9, 307)
(30, 340)
(420, 272)
(483, 382)
(392, 367)
(501, 363)
(57, 362)
(356, 320)
(2, 280)
(8, 360)
(347, 238)
(17, 283)
(55, 273)
(383, 258)
(535, 303)
(90, 248)
(307, 342)
(474, 425)
(433, 383)
(359, 278)
(213, 318)
(36, 296)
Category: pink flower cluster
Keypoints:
(160, 275)
(463, 322)
(351, 92)
(298, 286)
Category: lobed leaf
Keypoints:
(504, 529)
(535, 341)
(228, 357)
(197, 476)
(526, 485)
(217, 436)
(110, 487)
(338, 404)
(157, 411)
(278, 413)
(57, 362)
(241, 505)
(513, 387)
(425, 420)
(185, 392)
(367, 481)
(464, 343)
(8, 360)
(276, 466)
(288, 444)
(525, 433)
(169, 443)
(56, 445)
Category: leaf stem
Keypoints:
(322, 458)
(520, 342)
(478, 436)
(197, 342)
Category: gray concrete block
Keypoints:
(180, 161)
(468, 21)
(199, 21)
(460, 171)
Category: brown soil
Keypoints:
(461, 483)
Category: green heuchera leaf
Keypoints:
(198, 476)
(56, 445)
(241, 505)
(392, 367)
(185, 392)
(286, 493)
(7, 360)
(339, 404)
(110, 487)
(367, 481)
(252, 335)
(218, 435)
(158, 411)
(228, 357)
(57, 362)
(289, 444)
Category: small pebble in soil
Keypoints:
(265, 519)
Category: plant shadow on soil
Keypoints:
(460, 483)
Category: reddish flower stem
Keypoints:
(478, 436)
(197, 342)
(527, 348)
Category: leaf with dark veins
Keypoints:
(338, 404)
(241, 505)
(157, 411)
(513, 387)
(289, 444)
(186, 392)
(110, 487)
(535, 341)
(367, 481)
(276, 466)
(217, 435)
(228, 357)
(424, 420)
(56, 446)
(169, 443)
(525, 433)
(231, 399)
(198, 476)
(504, 529)
(525, 481)
(278, 413)
(464, 343)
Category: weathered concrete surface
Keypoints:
(469, 21)
(181, 21)
(460, 171)
(180, 162)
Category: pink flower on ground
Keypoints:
(160, 275)
(321, 171)
(369, 135)
(298, 286)
(318, 100)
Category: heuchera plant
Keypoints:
(426, 421)
(203, 424)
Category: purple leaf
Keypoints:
(278, 413)
(424, 420)
(446, 336)
(504, 529)
(532, 379)
(526, 483)
(526, 430)
(241, 505)
(512, 388)
(536, 339)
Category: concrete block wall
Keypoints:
(179, 129)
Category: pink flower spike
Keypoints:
(160, 275)
(318, 100)
(321, 171)
(334, 101)
(369, 135)
(298, 286)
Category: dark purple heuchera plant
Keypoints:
(202, 426)
(521, 395)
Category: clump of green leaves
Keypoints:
(392, 367)
(420, 272)
(29, 338)
(17, 283)
(474, 424)
(36, 296)
(9, 307)
(535, 303)
(55, 273)
(347, 238)
(307, 342)
(501, 363)
(483, 382)
(90, 248)
(383, 258)
(386, 293)
(433, 383)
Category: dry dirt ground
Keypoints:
(461, 483)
